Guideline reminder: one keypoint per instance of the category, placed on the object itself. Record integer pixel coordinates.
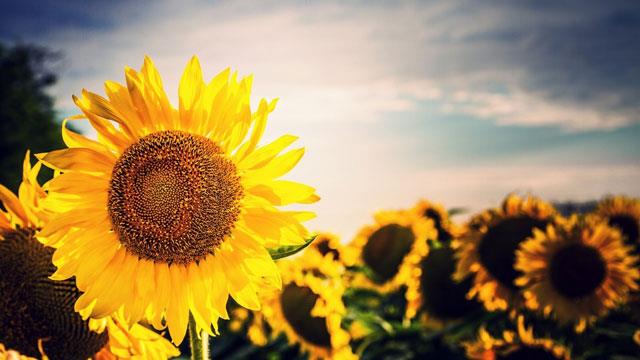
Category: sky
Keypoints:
(458, 102)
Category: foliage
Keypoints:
(27, 116)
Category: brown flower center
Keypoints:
(385, 250)
(498, 246)
(297, 303)
(174, 197)
(34, 307)
(577, 270)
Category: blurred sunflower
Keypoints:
(432, 289)
(389, 249)
(623, 213)
(487, 250)
(309, 309)
(37, 318)
(515, 346)
(577, 272)
(446, 229)
(171, 210)
(327, 245)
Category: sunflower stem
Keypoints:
(199, 342)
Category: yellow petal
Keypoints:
(78, 159)
(282, 192)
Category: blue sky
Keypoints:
(460, 102)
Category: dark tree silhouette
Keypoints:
(27, 116)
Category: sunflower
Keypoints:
(623, 213)
(487, 250)
(309, 309)
(446, 229)
(515, 346)
(389, 249)
(327, 245)
(432, 289)
(577, 271)
(171, 210)
(37, 316)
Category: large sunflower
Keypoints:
(37, 317)
(171, 210)
(389, 249)
(623, 213)
(577, 271)
(432, 290)
(446, 229)
(520, 345)
(309, 309)
(487, 250)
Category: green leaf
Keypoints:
(286, 251)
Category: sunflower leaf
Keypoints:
(286, 251)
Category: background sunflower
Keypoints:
(386, 251)
(487, 250)
(577, 271)
(309, 310)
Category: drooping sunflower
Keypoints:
(309, 309)
(389, 249)
(37, 317)
(487, 250)
(446, 229)
(515, 346)
(577, 272)
(432, 291)
(171, 210)
(623, 213)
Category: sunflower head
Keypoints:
(388, 249)
(432, 289)
(309, 310)
(520, 345)
(445, 228)
(487, 250)
(622, 213)
(186, 198)
(577, 271)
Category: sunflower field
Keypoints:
(169, 234)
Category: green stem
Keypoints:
(199, 344)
